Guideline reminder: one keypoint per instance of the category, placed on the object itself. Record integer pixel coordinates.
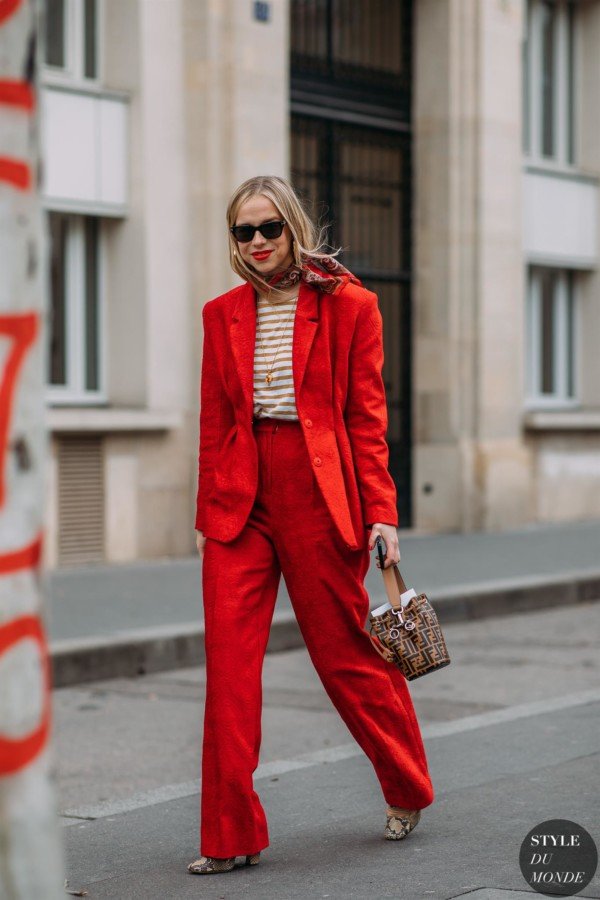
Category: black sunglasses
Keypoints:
(244, 233)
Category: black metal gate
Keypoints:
(351, 158)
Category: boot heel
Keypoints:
(253, 860)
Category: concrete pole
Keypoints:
(31, 855)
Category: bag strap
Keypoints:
(394, 585)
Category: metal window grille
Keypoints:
(357, 179)
(80, 500)
(361, 41)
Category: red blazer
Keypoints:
(337, 359)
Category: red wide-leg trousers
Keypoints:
(290, 531)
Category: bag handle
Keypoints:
(394, 585)
(392, 579)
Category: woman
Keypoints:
(292, 476)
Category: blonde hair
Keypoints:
(308, 239)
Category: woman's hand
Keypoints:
(390, 536)
(200, 542)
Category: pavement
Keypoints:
(511, 731)
(109, 621)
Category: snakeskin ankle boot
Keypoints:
(399, 825)
(209, 865)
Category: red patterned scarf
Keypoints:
(324, 273)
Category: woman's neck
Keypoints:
(282, 296)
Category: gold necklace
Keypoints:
(269, 375)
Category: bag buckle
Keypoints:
(402, 623)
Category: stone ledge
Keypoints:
(562, 420)
(95, 419)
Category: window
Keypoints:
(74, 309)
(549, 81)
(363, 42)
(551, 336)
(71, 39)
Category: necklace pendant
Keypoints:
(268, 378)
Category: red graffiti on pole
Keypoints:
(27, 557)
(17, 93)
(22, 330)
(16, 753)
(8, 8)
(15, 172)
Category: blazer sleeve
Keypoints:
(211, 399)
(366, 417)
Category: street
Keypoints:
(511, 732)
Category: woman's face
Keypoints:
(265, 255)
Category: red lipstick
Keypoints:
(263, 254)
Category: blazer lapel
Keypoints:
(305, 328)
(242, 335)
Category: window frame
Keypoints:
(72, 73)
(74, 391)
(565, 112)
(566, 293)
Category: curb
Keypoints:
(149, 650)
(162, 649)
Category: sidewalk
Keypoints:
(511, 735)
(467, 844)
(118, 620)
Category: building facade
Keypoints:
(453, 148)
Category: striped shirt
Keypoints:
(275, 324)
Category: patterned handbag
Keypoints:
(406, 631)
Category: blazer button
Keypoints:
(308, 423)
(317, 460)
